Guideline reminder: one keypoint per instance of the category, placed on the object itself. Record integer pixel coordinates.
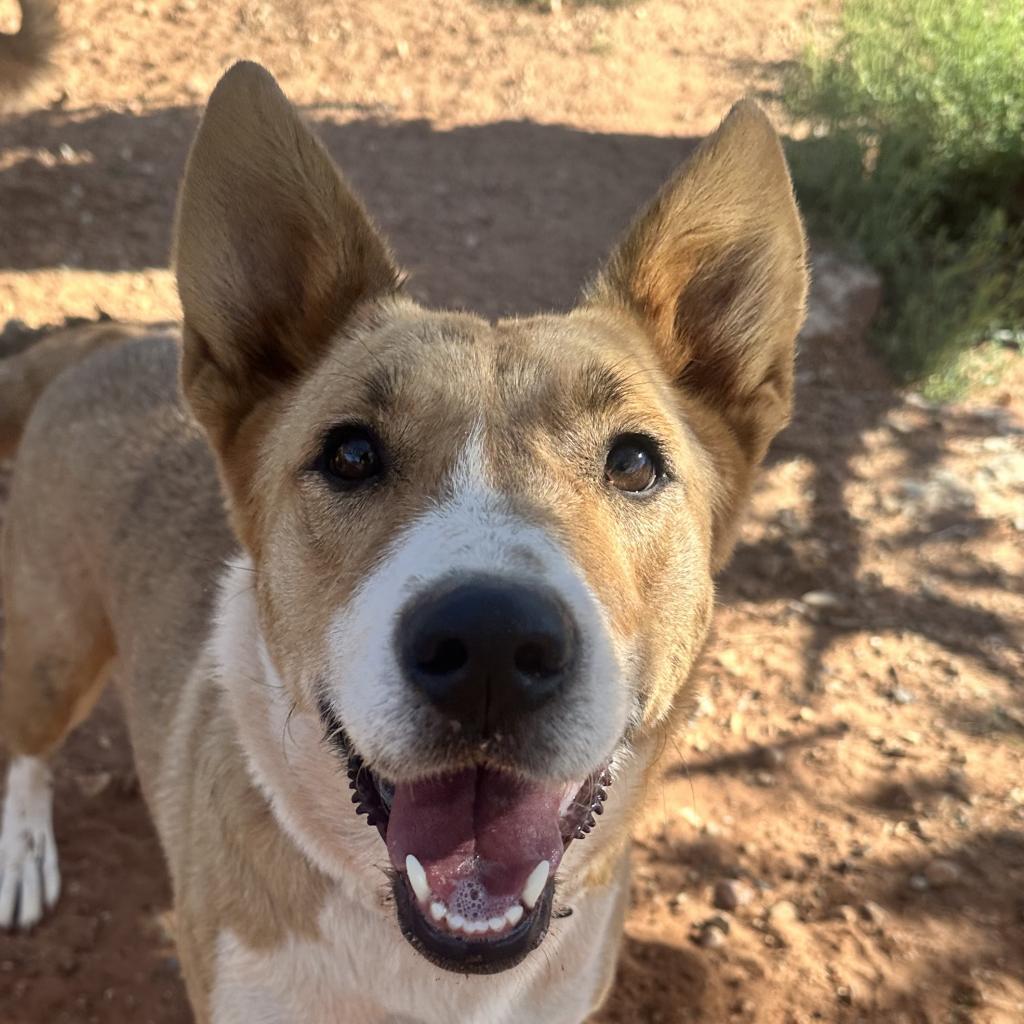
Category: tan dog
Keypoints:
(27, 52)
(469, 562)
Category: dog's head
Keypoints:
(483, 552)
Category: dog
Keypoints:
(28, 52)
(402, 604)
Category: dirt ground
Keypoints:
(851, 792)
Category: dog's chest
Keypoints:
(361, 971)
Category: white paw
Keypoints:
(29, 877)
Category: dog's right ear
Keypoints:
(273, 253)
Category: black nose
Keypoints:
(486, 651)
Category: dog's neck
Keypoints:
(290, 764)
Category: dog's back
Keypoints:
(144, 464)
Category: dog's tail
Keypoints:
(32, 357)
(28, 51)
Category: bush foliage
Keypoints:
(916, 155)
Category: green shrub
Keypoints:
(916, 156)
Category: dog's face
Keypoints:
(483, 552)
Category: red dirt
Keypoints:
(841, 750)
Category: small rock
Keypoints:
(821, 599)
(765, 779)
(731, 893)
(711, 934)
(729, 660)
(942, 493)
(677, 902)
(691, 817)
(872, 913)
(918, 883)
(711, 938)
(782, 914)
(941, 873)
(847, 913)
(900, 695)
(768, 757)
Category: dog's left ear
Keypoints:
(273, 253)
(715, 272)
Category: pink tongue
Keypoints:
(478, 833)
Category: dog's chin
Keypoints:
(487, 954)
(474, 853)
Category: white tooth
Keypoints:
(476, 927)
(417, 879)
(514, 914)
(438, 910)
(456, 922)
(497, 924)
(535, 884)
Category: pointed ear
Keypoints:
(273, 253)
(715, 271)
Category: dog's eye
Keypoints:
(634, 463)
(351, 456)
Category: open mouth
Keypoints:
(475, 853)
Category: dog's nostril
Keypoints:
(444, 657)
(539, 659)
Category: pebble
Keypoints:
(711, 934)
(872, 913)
(918, 883)
(730, 893)
(677, 902)
(821, 599)
(782, 914)
(900, 695)
(941, 873)
(768, 757)
(711, 938)
(691, 817)
(847, 913)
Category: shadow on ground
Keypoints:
(500, 218)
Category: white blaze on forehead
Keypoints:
(472, 531)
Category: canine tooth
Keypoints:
(417, 878)
(456, 922)
(497, 924)
(535, 884)
(438, 910)
(514, 914)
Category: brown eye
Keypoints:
(351, 456)
(633, 463)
